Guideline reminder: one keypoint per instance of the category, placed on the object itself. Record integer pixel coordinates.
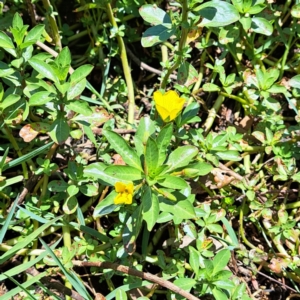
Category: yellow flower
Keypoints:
(125, 193)
(168, 105)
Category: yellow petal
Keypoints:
(163, 112)
(119, 199)
(120, 187)
(129, 188)
(128, 199)
(158, 98)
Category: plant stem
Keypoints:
(213, 113)
(15, 145)
(126, 68)
(53, 24)
(181, 45)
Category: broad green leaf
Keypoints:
(17, 21)
(64, 57)
(59, 130)
(229, 155)
(189, 113)
(163, 141)
(181, 156)
(218, 294)
(9, 101)
(121, 147)
(132, 229)
(120, 294)
(197, 169)
(57, 186)
(106, 206)
(184, 209)
(211, 87)
(172, 182)
(123, 173)
(209, 267)
(261, 25)
(150, 207)
(187, 74)
(96, 171)
(23, 243)
(194, 259)
(40, 98)
(157, 34)
(5, 71)
(295, 12)
(151, 157)
(19, 34)
(217, 13)
(43, 68)
(154, 15)
(164, 217)
(70, 205)
(5, 41)
(80, 107)
(34, 34)
(220, 260)
(76, 89)
(145, 129)
(185, 283)
(80, 73)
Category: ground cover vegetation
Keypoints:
(149, 149)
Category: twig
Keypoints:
(277, 281)
(98, 131)
(133, 272)
(142, 65)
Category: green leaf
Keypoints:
(163, 141)
(79, 106)
(187, 74)
(185, 283)
(150, 207)
(220, 260)
(40, 98)
(229, 155)
(295, 12)
(197, 169)
(184, 209)
(120, 294)
(9, 101)
(5, 41)
(34, 34)
(218, 294)
(43, 68)
(172, 182)
(145, 129)
(261, 25)
(59, 130)
(80, 73)
(156, 35)
(76, 89)
(106, 206)
(217, 13)
(124, 173)
(194, 259)
(97, 171)
(70, 205)
(154, 15)
(211, 87)
(181, 156)
(27, 156)
(121, 147)
(17, 22)
(64, 58)
(151, 157)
